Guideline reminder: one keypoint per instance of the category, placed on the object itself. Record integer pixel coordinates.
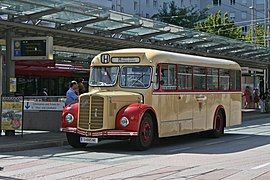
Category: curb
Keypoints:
(30, 146)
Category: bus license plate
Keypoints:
(89, 140)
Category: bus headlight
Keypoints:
(124, 121)
(69, 118)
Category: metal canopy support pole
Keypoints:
(10, 65)
(1, 73)
(265, 80)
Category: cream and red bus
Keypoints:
(145, 94)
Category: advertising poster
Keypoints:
(12, 113)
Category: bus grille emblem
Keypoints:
(96, 112)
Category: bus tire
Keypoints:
(146, 134)
(74, 140)
(218, 129)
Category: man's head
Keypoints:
(73, 85)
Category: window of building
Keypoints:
(224, 79)
(217, 2)
(232, 16)
(182, 3)
(147, 15)
(122, 9)
(165, 5)
(232, 2)
(136, 4)
(113, 7)
(155, 4)
(184, 77)
(244, 29)
(212, 79)
(168, 77)
(260, 1)
(199, 76)
(147, 2)
(244, 15)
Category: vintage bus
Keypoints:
(145, 94)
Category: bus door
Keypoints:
(199, 99)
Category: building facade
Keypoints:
(240, 11)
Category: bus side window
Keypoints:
(168, 77)
(235, 80)
(199, 76)
(212, 79)
(156, 78)
(184, 77)
(224, 79)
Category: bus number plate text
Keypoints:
(89, 140)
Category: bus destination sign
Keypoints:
(32, 48)
(125, 60)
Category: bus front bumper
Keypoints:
(102, 133)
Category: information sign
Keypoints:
(43, 106)
(32, 48)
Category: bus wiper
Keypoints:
(138, 79)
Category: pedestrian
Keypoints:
(71, 95)
(262, 102)
(247, 97)
(256, 98)
(82, 89)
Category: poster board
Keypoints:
(12, 113)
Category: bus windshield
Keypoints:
(135, 76)
(103, 76)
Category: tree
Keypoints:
(259, 35)
(220, 25)
(184, 17)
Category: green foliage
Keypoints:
(184, 17)
(220, 25)
(259, 35)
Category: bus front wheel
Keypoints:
(146, 134)
(219, 125)
(74, 140)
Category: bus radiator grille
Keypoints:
(97, 105)
(84, 112)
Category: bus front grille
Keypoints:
(97, 105)
(84, 113)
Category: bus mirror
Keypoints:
(161, 82)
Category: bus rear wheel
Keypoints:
(74, 140)
(219, 125)
(146, 135)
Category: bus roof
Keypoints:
(157, 56)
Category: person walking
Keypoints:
(81, 87)
(247, 97)
(71, 95)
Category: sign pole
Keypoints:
(22, 114)
(1, 116)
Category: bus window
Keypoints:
(224, 79)
(103, 76)
(199, 78)
(235, 80)
(212, 79)
(184, 77)
(135, 77)
(238, 80)
(168, 77)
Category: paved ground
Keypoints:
(243, 153)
